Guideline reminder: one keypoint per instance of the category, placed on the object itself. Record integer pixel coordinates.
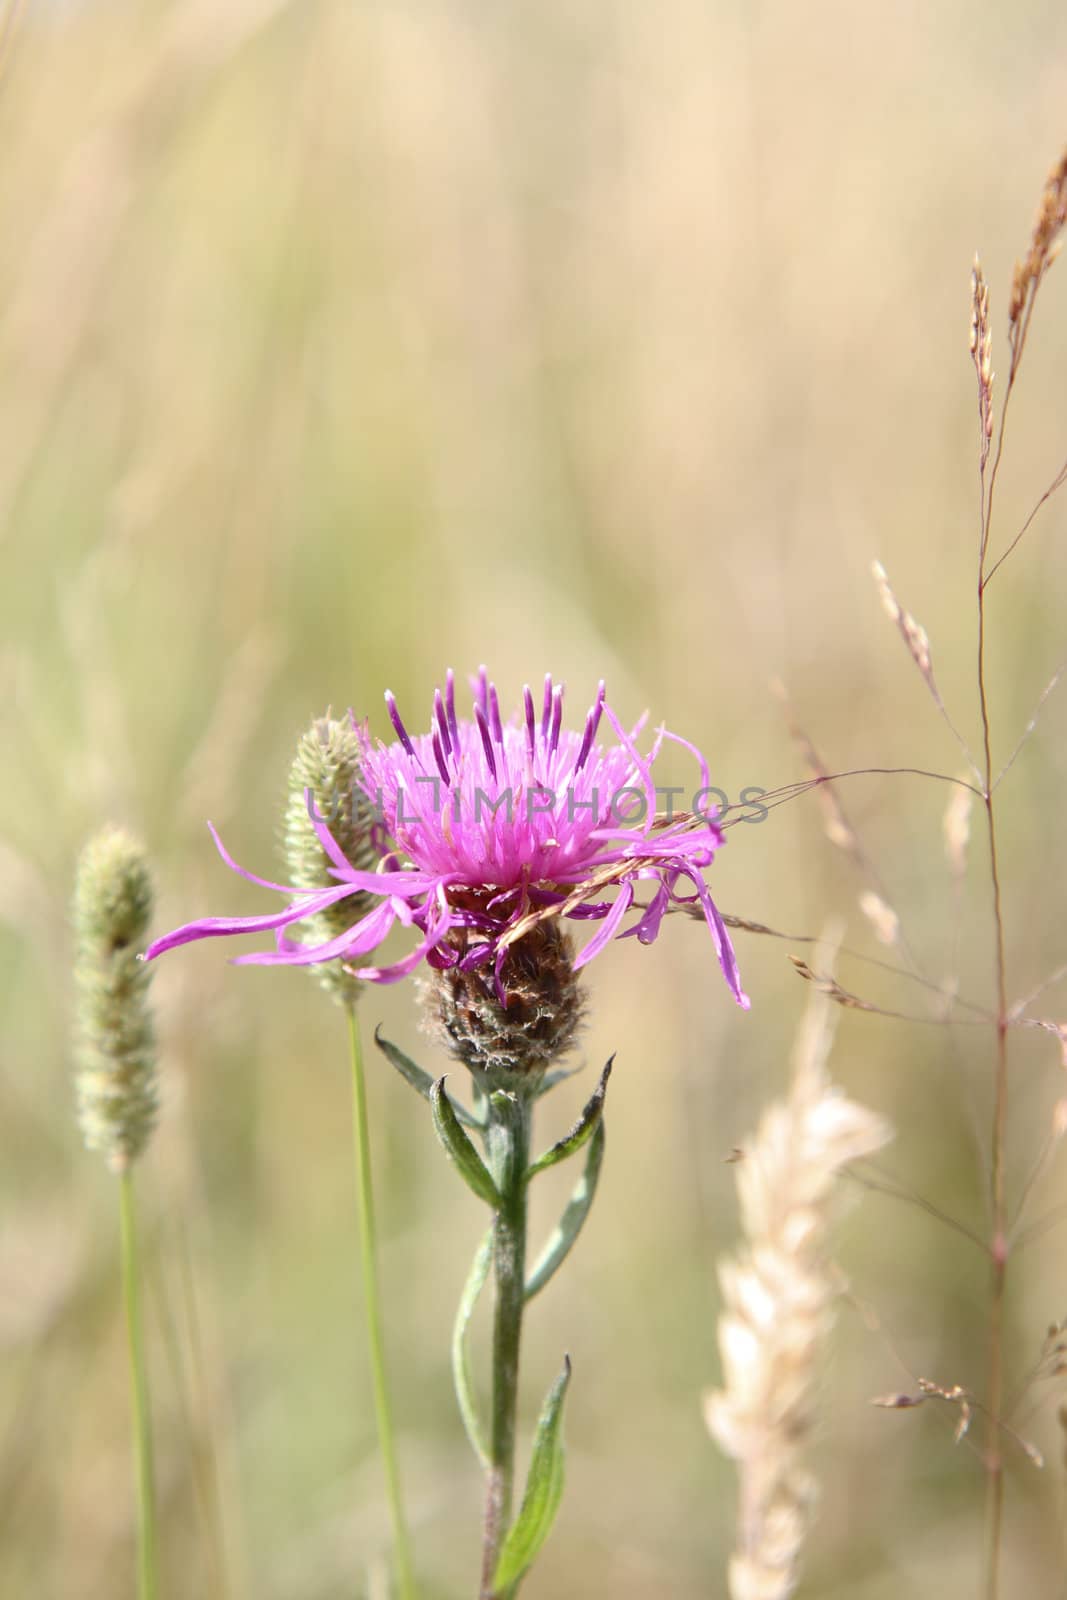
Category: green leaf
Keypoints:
(570, 1224)
(419, 1080)
(583, 1129)
(559, 1075)
(544, 1491)
(480, 1102)
(472, 1169)
(461, 1372)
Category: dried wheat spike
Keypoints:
(779, 1294)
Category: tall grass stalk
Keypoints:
(368, 1251)
(1028, 277)
(147, 1581)
(998, 1244)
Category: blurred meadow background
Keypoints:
(341, 343)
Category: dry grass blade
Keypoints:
(839, 830)
(829, 986)
(1029, 274)
(1045, 245)
(918, 644)
(1032, 724)
(1057, 483)
(955, 1395)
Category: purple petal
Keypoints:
(607, 928)
(647, 930)
(475, 957)
(638, 760)
(723, 946)
(365, 935)
(324, 836)
(242, 872)
(705, 775)
(226, 927)
(401, 968)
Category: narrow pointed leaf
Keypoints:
(583, 1129)
(461, 1372)
(559, 1075)
(419, 1080)
(458, 1146)
(544, 1491)
(570, 1224)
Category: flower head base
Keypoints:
(508, 1027)
(499, 827)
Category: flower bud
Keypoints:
(115, 1052)
(327, 763)
(508, 1044)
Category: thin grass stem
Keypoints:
(144, 1468)
(368, 1251)
(999, 1247)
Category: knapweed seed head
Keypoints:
(115, 1055)
(509, 1041)
(326, 769)
(498, 827)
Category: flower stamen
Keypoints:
(401, 731)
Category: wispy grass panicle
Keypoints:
(981, 345)
(1045, 243)
(779, 1296)
(115, 1049)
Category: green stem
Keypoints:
(999, 1245)
(142, 1428)
(372, 1301)
(508, 1146)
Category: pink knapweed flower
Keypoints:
(491, 827)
